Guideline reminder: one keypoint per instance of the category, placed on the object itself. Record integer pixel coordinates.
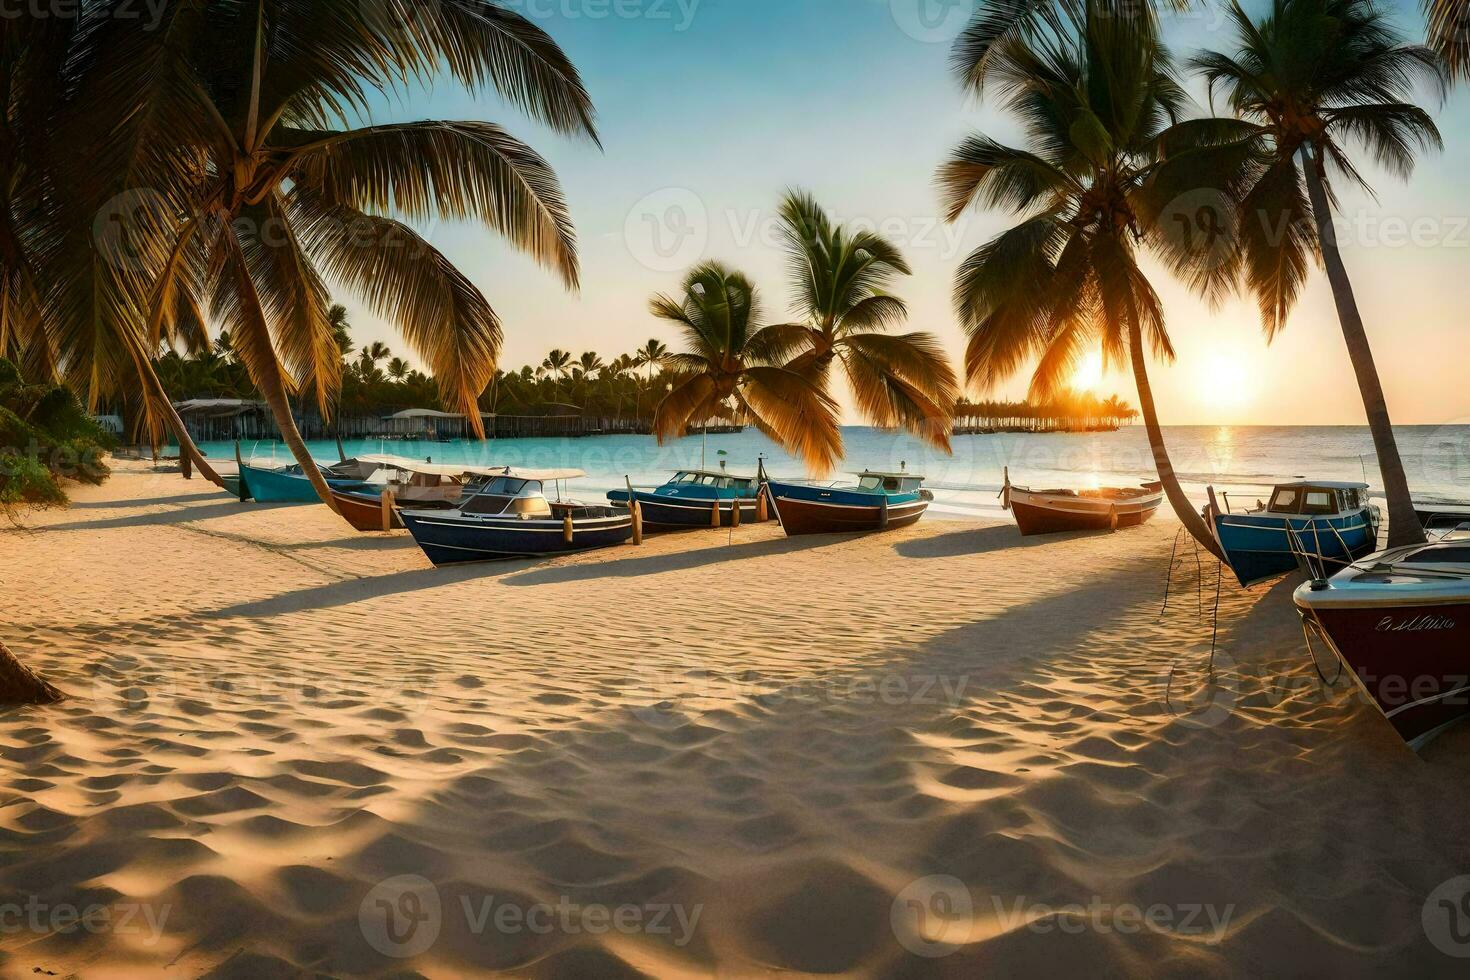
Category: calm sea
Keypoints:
(1244, 461)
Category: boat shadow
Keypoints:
(679, 561)
(361, 590)
(973, 541)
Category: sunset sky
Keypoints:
(709, 109)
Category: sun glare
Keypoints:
(1224, 381)
(1089, 373)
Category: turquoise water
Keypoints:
(1245, 461)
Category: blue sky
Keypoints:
(709, 109)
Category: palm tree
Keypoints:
(729, 371)
(1307, 78)
(557, 365)
(230, 111)
(841, 280)
(651, 355)
(398, 369)
(1449, 34)
(590, 363)
(1067, 279)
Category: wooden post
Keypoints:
(1113, 517)
(566, 527)
(735, 512)
(715, 513)
(760, 505)
(186, 465)
(636, 507)
(387, 509)
(883, 513)
(240, 473)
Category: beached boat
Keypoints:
(1439, 514)
(1104, 509)
(698, 498)
(879, 502)
(289, 485)
(406, 484)
(1400, 622)
(1324, 523)
(509, 516)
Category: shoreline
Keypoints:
(792, 743)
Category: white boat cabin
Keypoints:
(1317, 498)
(519, 492)
(875, 482)
(718, 479)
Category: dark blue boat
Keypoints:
(697, 498)
(880, 502)
(1326, 523)
(509, 516)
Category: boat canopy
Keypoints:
(1322, 485)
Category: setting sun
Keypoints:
(1223, 381)
(1089, 374)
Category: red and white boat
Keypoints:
(1400, 621)
(1104, 509)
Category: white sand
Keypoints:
(718, 754)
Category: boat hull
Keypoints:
(272, 487)
(365, 511)
(662, 513)
(813, 510)
(1041, 513)
(454, 539)
(234, 486)
(1260, 548)
(1413, 660)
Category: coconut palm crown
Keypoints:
(1310, 81)
(841, 280)
(246, 187)
(731, 371)
(1090, 186)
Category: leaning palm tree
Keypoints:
(841, 279)
(1307, 80)
(729, 371)
(234, 115)
(1066, 279)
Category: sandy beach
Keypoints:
(290, 749)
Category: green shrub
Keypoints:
(45, 437)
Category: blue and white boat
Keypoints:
(1323, 522)
(509, 516)
(880, 501)
(697, 498)
(289, 485)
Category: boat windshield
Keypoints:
(1287, 500)
(701, 479)
(880, 484)
(508, 486)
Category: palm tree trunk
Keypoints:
(1403, 523)
(159, 394)
(21, 685)
(1188, 516)
(266, 374)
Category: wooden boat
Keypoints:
(288, 485)
(697, 499)
(406, 484)
(1400, 622)
(1441, 514)
(509, 516)
(1321, 522)
(1104, 509)
(879, 502)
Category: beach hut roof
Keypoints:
(422, 413)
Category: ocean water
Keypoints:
(1243, 461)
